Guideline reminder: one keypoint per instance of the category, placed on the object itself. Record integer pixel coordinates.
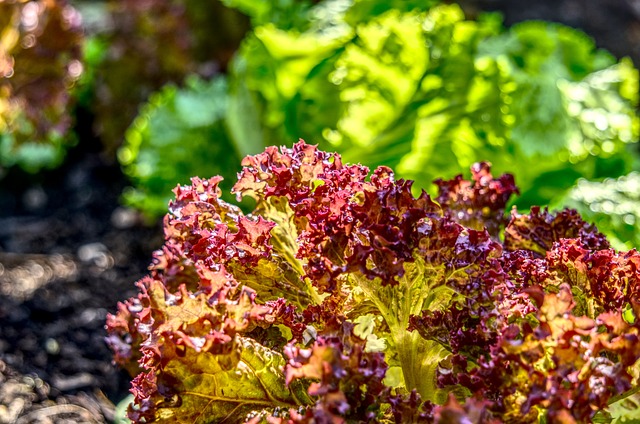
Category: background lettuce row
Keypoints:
(408, 84)
(420, 88)
(428, 92)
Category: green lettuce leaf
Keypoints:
(613, 205)
(624, 409)
(428, 92)
(180, 132)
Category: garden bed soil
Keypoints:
(68, 253)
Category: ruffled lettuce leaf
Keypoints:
(197, 366)
(343, 297)
(538, 230)
(566, 367)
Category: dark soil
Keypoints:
(69, 252)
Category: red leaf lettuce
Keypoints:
(345, 298)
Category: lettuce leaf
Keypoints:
(160, 146)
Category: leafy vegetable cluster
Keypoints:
(344, 298)
(415, 86)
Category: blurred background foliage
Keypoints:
(184, 87)
(146, 44)
(179, 132)
(40, 60)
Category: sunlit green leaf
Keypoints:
(180, 133)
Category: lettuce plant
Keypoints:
(40, 61)
(344, 298)
(160, 146)
(415, 86)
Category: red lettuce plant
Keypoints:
(344, 298)
(40, 52)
